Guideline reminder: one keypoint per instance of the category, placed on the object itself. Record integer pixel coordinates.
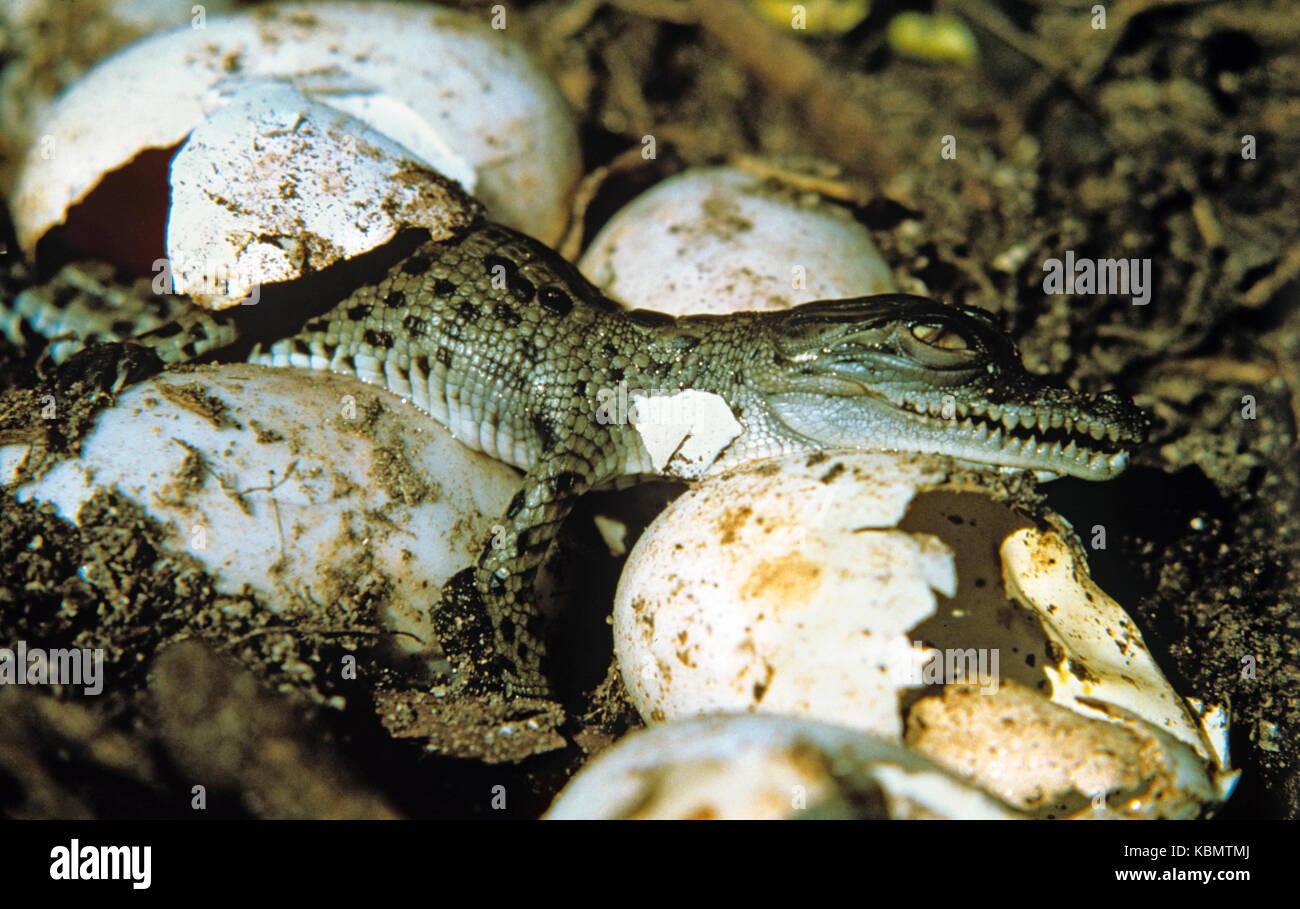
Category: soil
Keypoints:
(1122, 142)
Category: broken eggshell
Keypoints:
(463, 99)
(313, 491)
(832, 587)
(765, 767)
(314, 186)
(720, 240)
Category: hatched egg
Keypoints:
(457, 95)
(858, 588)
(312, 490)
(719, 240)
(766, 768)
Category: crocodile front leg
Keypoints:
(509, 565)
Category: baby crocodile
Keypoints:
(509, 347)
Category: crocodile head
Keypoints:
(902, 372)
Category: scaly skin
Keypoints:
(503, 342)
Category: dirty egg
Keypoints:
(719, 240)
(458, 96)
(766, 767)
(852, 588)
(319, 494)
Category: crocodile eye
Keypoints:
(939, 336)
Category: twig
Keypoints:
(845, 131)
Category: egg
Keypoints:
(719, 240)
(458, 96)
(321, 496)
(765, 767)
(858, 587)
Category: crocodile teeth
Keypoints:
(1044, 421)
(994, 412)
(1071, 451)
(1058, 419)
(1097, 431)
(1010, 419)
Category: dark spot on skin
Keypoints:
(516, 505)
(468, 311)
(609, 350)
(834, 471)
(415, 325)
(359, 312)
(443, 288)
(544, 432)
(189, 349)
(521, 289)
(396, 299)
(422, 364)
(377, 338)
(954, 519)
(616, 375)
(416, 265)
(123, 327)
(317, 325)
(530, 349)
(816, 458)
(980, 582)
(566, 482)
(556, 301)
(648, 318)
(443, 356)
(170, 330)
(507, 314)
(507, 630)
(63, 296)
(1030, 660)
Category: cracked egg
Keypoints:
(410, 91)
(329, 500)
(878, 591)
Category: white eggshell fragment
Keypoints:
(853, 588)
(719, 240)
(460, 96)
(765, 767)
(273, 185)
(306, 487)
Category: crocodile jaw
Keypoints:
(871, 422)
